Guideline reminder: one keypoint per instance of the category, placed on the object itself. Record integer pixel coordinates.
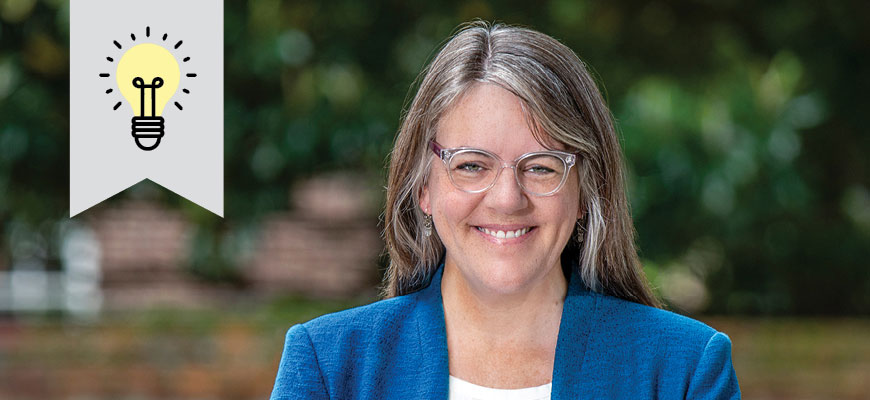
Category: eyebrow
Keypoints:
(497, 153)
(484, 148)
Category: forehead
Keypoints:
(489, 117)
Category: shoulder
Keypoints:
(362, 337)
(662, 348)
(387, 314)
(338, 353)
(641, 322)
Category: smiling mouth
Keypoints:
(506, 234)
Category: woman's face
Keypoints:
(491, 118)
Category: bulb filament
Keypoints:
(139, 83)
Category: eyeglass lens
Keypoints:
(475, 171)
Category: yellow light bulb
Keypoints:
(148, 76)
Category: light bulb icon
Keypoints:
(147, 75)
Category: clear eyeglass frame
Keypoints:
(446, 155)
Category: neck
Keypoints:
(530, 315)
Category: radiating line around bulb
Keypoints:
(118, 45)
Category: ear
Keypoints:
(425, 205)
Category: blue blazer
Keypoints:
(607, 348)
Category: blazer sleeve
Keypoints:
(299, 374)
(714, 377)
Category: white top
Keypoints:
(463, 390)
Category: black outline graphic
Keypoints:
(145, 126)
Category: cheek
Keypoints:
(572, 197)
(569, 211)
(452, 209)
(568, 218)
(445, 205)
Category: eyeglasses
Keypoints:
(541, 173)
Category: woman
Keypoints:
(513, 270)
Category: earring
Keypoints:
(427, 225)
(580, 230)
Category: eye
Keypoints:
(469, 167)
(540, 170)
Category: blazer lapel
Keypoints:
(574, 328)
(433, 368)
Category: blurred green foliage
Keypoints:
(742, 122)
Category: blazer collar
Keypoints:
(574, 328)
(433, 338)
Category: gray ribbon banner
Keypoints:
(146, 99)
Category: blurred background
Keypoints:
(743, 124)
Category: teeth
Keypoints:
(505, 235)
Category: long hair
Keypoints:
(562, 104)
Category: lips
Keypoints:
(505, 234)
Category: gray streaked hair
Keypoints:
(562, 105)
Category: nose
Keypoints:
(506, 195)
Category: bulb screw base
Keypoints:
(147, 128)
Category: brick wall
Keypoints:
(312, 256)
(326, 247)
(145, 247)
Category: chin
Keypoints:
(507, 277)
